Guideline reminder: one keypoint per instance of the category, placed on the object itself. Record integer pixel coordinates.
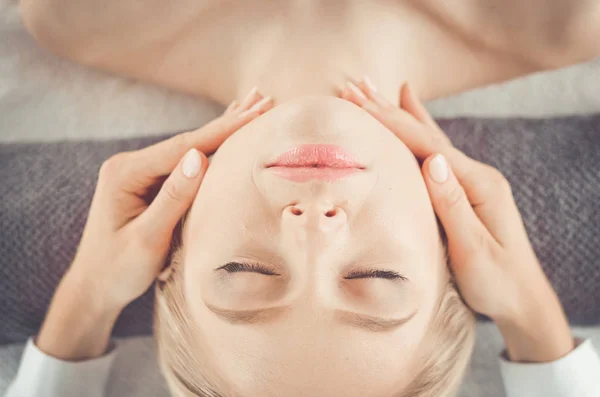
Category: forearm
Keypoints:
(539, 332)
(78, 324)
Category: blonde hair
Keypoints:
(447, 346)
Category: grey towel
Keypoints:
(553, 166)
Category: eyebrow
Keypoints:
(359, 320)
(373, 323)
(255, 316)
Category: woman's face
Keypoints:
(304, 286)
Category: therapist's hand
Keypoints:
(139, 199)
(491, 257)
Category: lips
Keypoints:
(322, 162)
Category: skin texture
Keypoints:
(383, 221)
(384, 217)
(491, 257)
(221, 49)
(307, 336)
(128, 234)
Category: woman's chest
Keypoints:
(297, 47)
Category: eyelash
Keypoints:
(236, 267)
(374, 273)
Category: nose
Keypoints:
(320, 217)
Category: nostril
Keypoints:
(331, 213)
(296, 211)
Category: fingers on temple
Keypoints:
(421, 141)
(489, 194)
(364, 94)
(233, 106)
(161, 158)
(254, 100)
(174, 198)
(462, 225)
(412, 104)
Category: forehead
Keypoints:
(300, 357)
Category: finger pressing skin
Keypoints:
(462, 225)
(413, 133)
(159, 159)
(176, 195)
(233, 106)
(259, 107)
(355, 95)
(411, 103)
(251, 98)
(490, 196)
(370, 90)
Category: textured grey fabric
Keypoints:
(553, 166)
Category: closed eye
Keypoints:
(374, 273)
(236, 267)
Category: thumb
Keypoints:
(464, 229)
(174, 198)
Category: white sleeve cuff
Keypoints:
(42, 375)
(575, 375)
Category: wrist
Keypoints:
(78, 324)
(91, 294)
(538, 332)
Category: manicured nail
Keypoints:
(369, 83)
(192, 162)
(259, 105)
(249, 96)
(355, 89)
(256, 107)
(438, 169)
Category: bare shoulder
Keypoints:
(480, 42)
(542, 34)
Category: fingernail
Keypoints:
(369, 83)
(258, 105)
(438, 169)
(192, 162)
(253, 91)
(355, 89)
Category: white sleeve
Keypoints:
(43, 375)
(575, 375)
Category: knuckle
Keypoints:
(182, 141)
(173, 192)
(113, 165)
(454, 196)
(498, 183)
(438, 139)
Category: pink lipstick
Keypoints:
(322, 162)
